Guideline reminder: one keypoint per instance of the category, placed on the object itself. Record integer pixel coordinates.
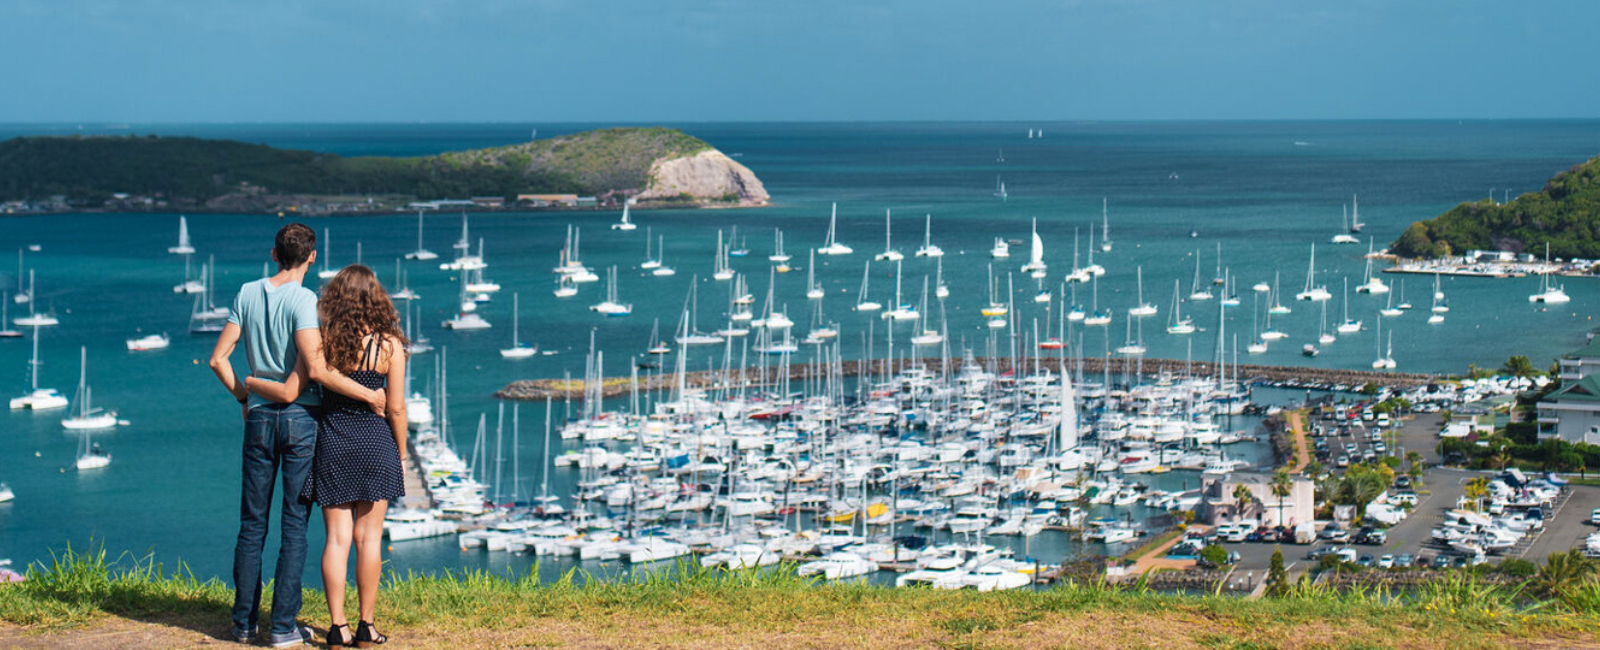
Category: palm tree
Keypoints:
(1414, 459)
(1243, 496)
(1502, 459)
(1281, 487)
(1477, 489)
(1519, 366)
(1564, 572)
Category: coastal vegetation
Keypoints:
(90, 170)
(86, 595)
(1565, 214)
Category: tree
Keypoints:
(1502, 459)
(1214, 555)
(1244, 497)
(1563, 573)
(1281, 486)
(1476, 489)
(1414, 464)
(1519, 366)
(1277, 575)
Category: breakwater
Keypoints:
(1290, 376)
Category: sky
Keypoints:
(142, 61)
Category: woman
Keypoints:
(357, 469)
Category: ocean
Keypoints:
(1264, 191)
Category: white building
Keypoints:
(1219, 506)
(1572, 412)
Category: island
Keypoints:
(657, 166)
(1565, 214)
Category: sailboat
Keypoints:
(465, 261)
(400, 280)
(1270, 334)
(37, 399)
(1001, 249)
(926, 336)
(611, 306)
(421, 254)
(1093, 270)
(1385, 360)
(777, 252)
(625, 224)
(688, 329)
(1035, 266)
(5, 319)
(1349, 326)
(1133, 347)
(34, 318)
(656, 345)
(1096, 317)
(1355, 214)
(862, 303)
(928, 248)
(1323, 335)
(889, 254)
(939, 290)
(996, 307)
(24, 294)
(205, 318)
(1275, 298)
(184, 247)
(1403, 304)
(91, 456)
(901, 310)
(1345, 237)
(1043, 295)
(650, 261)
(518, 349)
(1313, 291)
(1198, 292)
(1550, 293)
(1389, 310)
(1105, 226)
(813, 290)
(327, 254)
(660, 270)
(1143, 308)
(1440, 306)
(721, 270)
(1000, 188)
(832, 246)
(86, 416)
(565, 288)
(1257, 344)
(1371, 283)
(1230, 292)
(419, 344)
(466, 318)
(1176, 323)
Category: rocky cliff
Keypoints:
(706, 176)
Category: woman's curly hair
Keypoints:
(354, 305)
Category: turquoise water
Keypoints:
(172, 488)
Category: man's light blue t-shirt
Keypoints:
(269, 316)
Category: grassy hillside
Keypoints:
(84, 602)
(93, 168)
(1566, 214)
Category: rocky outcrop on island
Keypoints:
(1565, 214)
(659, 166)
(708, 174)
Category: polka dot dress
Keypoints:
(357, 459)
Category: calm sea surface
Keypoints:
(1263, 191)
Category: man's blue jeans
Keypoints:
(276, 437)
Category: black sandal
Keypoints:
(337, 639)
(368, 636)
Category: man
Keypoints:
(277, 319)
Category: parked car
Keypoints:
(1334, 533)
(1424, 562)
(1594, 517)
(1402, 481)
(1404, 560)
(1344, 461)
(1386, 562)
(1366, 561)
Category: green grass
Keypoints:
(689, 606)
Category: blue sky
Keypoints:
(721, 60)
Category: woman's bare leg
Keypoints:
(368, 535)
(335, 557)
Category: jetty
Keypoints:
(1287, 376)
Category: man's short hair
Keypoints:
(294, 245)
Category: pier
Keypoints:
(1291, 376)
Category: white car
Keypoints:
(1594, 517)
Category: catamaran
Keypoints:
(611, 306)
(1345, 237)
(1143, 308)
(862, 303)
(184, 247)
(518, 349)
(91, 457)
(889, 254)
(1550, 293)
(86, 416)
(1197, 291)
(1176, 323)
(37, 399)
(421, 254)
(34, 318)
(1371, 283)
(1349, 326)
(625, 224)
(1035, 266)
(832, 246)
(465, 261)
(777, 248)
(1313, 291)
(928, 248)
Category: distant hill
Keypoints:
(628, 161)
(1566, 214)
